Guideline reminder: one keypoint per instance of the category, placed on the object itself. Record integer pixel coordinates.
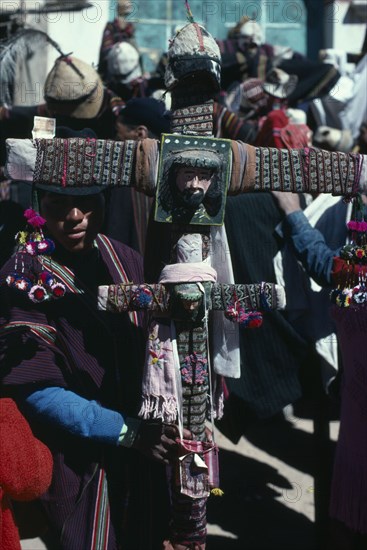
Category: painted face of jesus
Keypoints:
(193, 184)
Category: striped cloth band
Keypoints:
(101, 523)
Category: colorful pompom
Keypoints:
(33, 218)
(142, 298)
(31, 248)
(344, 298)
(22, 283)
(38, 294)
(46, 278)
(46, 246)
(21, 237)
(360, 253)
(254, 320)
(58, 290)
(10, 279)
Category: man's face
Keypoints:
(124, 132)
(193, 183)
(73, 221)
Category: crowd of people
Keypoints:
(71, 375)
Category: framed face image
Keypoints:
(193, 179)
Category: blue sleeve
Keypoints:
(78, 416)
(310, 247)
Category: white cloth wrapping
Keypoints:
(224, 333)
(21, 159)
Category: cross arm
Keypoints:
(76, 162)
(158, 297)
(306, 170)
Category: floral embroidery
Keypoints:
(195, 369)
(157, 357)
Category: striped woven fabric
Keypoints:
(70, 344)
(82, 162)
(101, 521)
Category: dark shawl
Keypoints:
(272, 354)
(97, 355)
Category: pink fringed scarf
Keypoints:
(162, 388)
(160, 379)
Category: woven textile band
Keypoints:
(78, 162)
(195, 119)
(253, 297)
(305, 170)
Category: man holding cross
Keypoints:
(75, 372)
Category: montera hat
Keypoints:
(194, 159)
(280, 84)
(123, 63)
(73, 88)
(193, 50)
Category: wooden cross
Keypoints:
(232, 168)
(119, 298)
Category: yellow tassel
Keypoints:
(217, 492)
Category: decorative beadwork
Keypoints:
(193, 119)
(307, 170)
(251, 297)
(83, 162)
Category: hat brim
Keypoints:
(74, 191)
(85, 110)
(281, 90)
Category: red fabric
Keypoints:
(346, 274)
(268, 135)
(278, 132)
(25, 468)
(9, 536)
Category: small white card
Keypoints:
(43, 127)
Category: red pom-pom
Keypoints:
(58, 290)
(37, 294)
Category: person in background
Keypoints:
(344, 269)
(128, 211)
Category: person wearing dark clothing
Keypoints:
(75, 373)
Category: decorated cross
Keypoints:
(190, 174)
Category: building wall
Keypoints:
(345, 24)
(284, 22)
(77, 32)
